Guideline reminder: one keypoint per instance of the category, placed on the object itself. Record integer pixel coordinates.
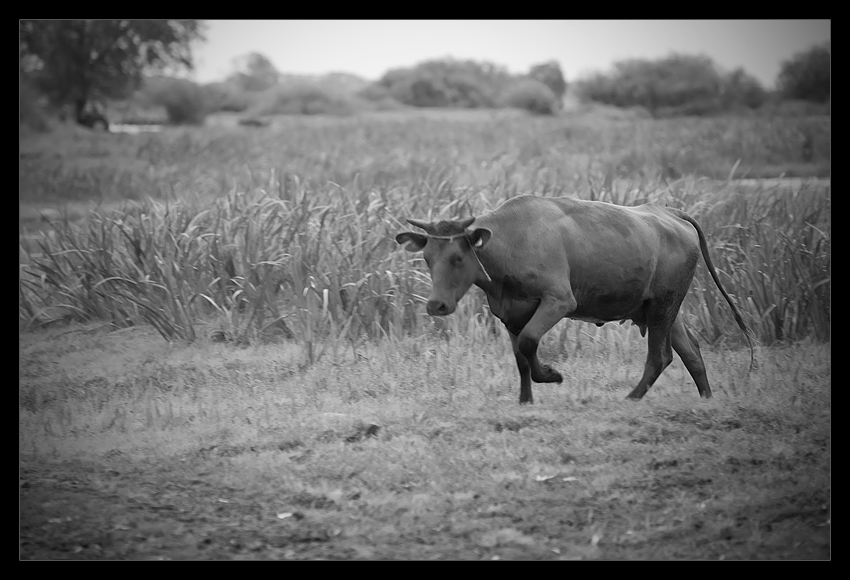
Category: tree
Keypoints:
(76, 61)
(185, 102)
(807, 75)
(254, 72)
(740, 88)
(674, 84)
(531, 95)
(447, 83)
(549, 73)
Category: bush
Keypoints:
(549, 73)
(446, 83)
(807, 75)
(667, 84)
(377, 98)
(256, 73)
(302, 99)
(185, 102)
(793, 108)
(672, 86)
(31, 115)
(531, 95)
(225, 96)
(740, 89)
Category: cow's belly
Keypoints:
(610, 310)
(589, 319)
(515, 313)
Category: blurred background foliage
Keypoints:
(135, 71)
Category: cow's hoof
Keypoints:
(634, 396)
(547, 375)
(705, 395)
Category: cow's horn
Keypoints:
(466, 223)
(420, 224)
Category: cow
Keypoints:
(541, 259)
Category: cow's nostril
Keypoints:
(437, 308)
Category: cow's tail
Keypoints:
(704, 248)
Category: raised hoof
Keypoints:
(548, 375)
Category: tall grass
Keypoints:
(773, 249)
(290, 231)
(479, 149)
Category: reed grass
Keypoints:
(289, 232)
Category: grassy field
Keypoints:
(303, 405)
(294, 225)
(134, 448)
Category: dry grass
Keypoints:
(455, 469)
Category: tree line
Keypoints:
(74, 63)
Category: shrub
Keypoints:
(666, 84)
(185, 102)
(302, 99)
(740, 89)
(549, 73)
(224, 96)
(807, 75)
(794, 108)
(447, 83)
(31, 114)
(255, 73)
(673, 86)
(378, 98)
(531, 95)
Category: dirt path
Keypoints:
(77, 511)
(73, 511)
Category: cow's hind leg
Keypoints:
(660, 353)
(687, 347)
(524, 367)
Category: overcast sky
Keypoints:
(369, 48)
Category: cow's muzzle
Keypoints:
(439, 307)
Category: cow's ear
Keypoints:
(479, 237)
(414, 241)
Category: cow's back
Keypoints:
(531, 219)
(600, 246)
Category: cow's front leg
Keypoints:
(547, 315)
(524, 368)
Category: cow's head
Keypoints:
(448, 251)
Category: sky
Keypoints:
(369, 48)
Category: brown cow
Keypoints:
(541, 259)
